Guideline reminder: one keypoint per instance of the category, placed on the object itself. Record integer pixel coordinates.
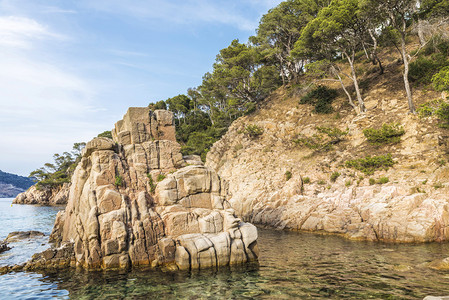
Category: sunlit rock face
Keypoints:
(135, 200)
(53, 195)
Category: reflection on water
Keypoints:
(292, 265)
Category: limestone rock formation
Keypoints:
(57, 195)
(133, 201)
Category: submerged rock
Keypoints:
(22, 235)
(134, 201)
(4, 247)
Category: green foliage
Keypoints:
(387, 134)
(321, 182)
(348, 183)
(160, 177)
(443, 114)
(306, 180)
(369, 165)
(428, 109)
(441, 79)
(436, 107)
(383, 180)
(288, 175)
(334, 176)
(425, 67)
(252, 130)
(151, 184)
(59, 172)
(324, 140)
(321, 97)
(118, 181)
(106, 134)
(158, 105)
(372, 181)
(278, 31)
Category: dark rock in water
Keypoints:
(4, 247)
(22, 235)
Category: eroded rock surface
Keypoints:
(57, 195)
(133, 201)
(412, 206)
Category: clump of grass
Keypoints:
(387, 134)
(321, 182)
(334, 176)
(383, 180)
(160, 177)
(438, 185)
(348, 183)
(288, 175)
(151, 183)
(306, 180)
(372, 181)
(369, 165)
(252, 130)
(118, 181)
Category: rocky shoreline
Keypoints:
(135, 201)
(49, 196)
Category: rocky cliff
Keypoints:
(57, 195)
(136, 201)
(276, 179)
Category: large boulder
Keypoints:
(133, 201)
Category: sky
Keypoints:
(70, 69)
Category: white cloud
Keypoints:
(44, 106)
(20, 32)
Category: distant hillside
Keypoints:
(11, 184)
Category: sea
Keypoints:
(292, 265)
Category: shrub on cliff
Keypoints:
(369, 165)
(441, 79)
(252, 130)
(387, 134)
(321, 98)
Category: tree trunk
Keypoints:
(406, 62)
(344, 89)
(422, 40)
(356, 84)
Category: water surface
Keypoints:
(292, 265)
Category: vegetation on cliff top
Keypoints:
(314, 40)
(59, 172)
(306, 41)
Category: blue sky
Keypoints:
(70, 69)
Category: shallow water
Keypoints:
(292, 265)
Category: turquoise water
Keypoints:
(292, 265)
